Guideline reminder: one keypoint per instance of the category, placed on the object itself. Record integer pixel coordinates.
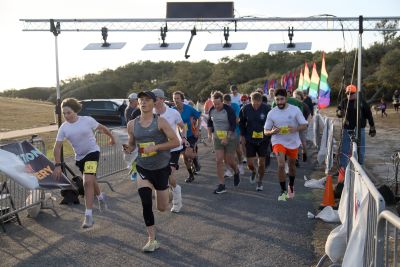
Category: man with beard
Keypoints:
(284, 123)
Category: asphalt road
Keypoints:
(239, 228)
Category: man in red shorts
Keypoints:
(284, 123)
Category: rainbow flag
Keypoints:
(313, 92)
(306, 77)
(301, 80)
(324, 98)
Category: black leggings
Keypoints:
(145, 194)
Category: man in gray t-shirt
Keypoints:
(221, 128)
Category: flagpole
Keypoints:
(358, 135)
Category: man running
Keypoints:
(132, 111)
(154, 139)
(174, 119)
(284, 123)
(252, 121)
(188, 114)
(221, 128)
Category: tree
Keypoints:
(388, 29)
(389, 70)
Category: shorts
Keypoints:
(291, 153)
(174, 161)
(260, 149)
(89, 163)
(230, 147)
(158, 178)
(192, 141)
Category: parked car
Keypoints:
(102, 110)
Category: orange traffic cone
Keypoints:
(329, 198)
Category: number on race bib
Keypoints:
(90, 167)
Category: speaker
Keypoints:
(178, 10)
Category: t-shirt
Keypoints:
(173, 118)
(80, 135)
(236, 99)
(291, 116)
(188, 112)
(236, 108)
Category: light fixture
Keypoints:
(226, 45)
(163, 45)
(281, 47)
(105, 45)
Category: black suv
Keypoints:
(103, 110)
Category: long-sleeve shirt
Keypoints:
(351, 114)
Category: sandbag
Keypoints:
(313, 183)
(335, 245)
(327, 214)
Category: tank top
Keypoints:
(146, 136)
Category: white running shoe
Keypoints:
(88, 222)
(102, 202)
(228, 173)
(176, 199)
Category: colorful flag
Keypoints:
(294, 79)
(313, 92)
(271, 84)
(266, 87)
(301, 80)
(276, 84)
(324, 98)
(306, 77)
(289, 84)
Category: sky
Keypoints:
(28, 58)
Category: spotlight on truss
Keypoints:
(290, 46)
(105, 45)
(163, 45)
(227, 45)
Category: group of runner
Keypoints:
(161, 134)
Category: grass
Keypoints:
(19, 114)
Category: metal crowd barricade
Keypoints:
(387, 250)
(14, 197)
(111, 159)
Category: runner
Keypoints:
(132, 111)
(235, 96)
(79, 131)
(188, 114)
(221, 128)
(239, 153)
(174, 119)
(154, 139)
(252, 120)
(284, 123)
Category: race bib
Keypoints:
(90, 167)
(284, 130)
(257, 135)
(141, 149)
(222, 134)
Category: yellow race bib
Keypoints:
(257, 135)
(222, 134)
(90, 167)
(141, 149)
(284, 130)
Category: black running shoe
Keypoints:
(220, 189)
(197, 166)
(236, 179)
(189, 179)
(304, 157)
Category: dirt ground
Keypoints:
(378, 163)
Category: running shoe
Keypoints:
(236, 179)
(151, 246)
(244, 161)
(304, 157)
(228, 173)
(88, 222)
(220, 189)
(102, 202)
(189, 179)
(259, 187)
(283, 196)
(290, 192)
(253, 177)
(196, 164)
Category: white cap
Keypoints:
(132, 96)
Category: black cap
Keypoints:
(148, 94)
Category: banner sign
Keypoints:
(30, 168)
